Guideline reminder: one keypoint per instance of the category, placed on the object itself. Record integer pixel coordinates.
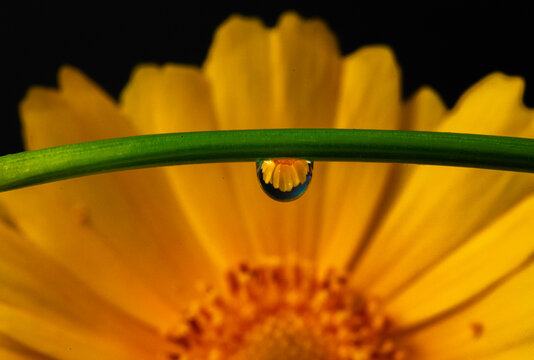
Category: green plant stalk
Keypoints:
(68, 161)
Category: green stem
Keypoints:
(68, 161)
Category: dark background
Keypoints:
(448, 47)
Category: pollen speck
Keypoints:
(478, 329)
(81, 214)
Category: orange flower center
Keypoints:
(284, 312)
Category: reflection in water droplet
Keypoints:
(284, 179)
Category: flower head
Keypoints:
(376, 261)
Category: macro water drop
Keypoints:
(284, 179)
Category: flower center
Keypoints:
(284, 312)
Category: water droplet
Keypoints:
(284, 179)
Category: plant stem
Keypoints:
(68, 161)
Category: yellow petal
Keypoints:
(369, 99)
(295, 180)
(267, 168)
(176, 98)
(58, 227)
(499, 326)
(492, 106)
(301, 169)
(424, 111)
(484, 260)
(79, 111)
(306, 67)
(133, 215)
(12, 350)
(285, 77)
(40, 301)
(239, 72)
(171, 98)
(283, 185)
(276, 176)
(523, 351)
(441, 207)
(370, 93)
(61, 341)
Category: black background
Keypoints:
(448, 47)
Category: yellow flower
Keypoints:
(196, 262)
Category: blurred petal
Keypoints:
(176, 98)
(79, 111)
(478, 264)
(239, 72)
(306, 75)
(499, 326)
(170, 98)
(12, 350)
(61, 229)
(418, 230)
(43, 306)
(270, 79)
(132, 215)
(370, 90)
(60, 340)
(424, 111)
(285, 77)
(369, 99)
